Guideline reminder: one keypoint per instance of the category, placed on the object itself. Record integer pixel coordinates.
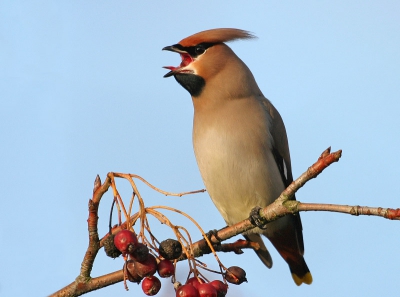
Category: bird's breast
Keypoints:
(232, 144)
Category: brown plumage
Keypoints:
(239, 141)
(215, 36)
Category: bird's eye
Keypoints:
(200, 49)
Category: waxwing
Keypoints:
(239, 140)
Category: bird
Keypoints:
(239, 140)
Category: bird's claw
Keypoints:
(214, 232)
(256, 219)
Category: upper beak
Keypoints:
(173, 48)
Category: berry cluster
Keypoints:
(141, 265)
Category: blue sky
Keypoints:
(82, 93)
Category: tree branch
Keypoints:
(387, 213)
(282, 206)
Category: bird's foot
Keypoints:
(256, 219)
(214, 232)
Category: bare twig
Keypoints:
(126, 176)
(93, 248)
(84, 278)
(77, 289)
(387, 213)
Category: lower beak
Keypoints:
(172, 72)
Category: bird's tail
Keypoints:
(297, 265)
(262, 252)
(299, 270)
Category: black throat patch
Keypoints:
(194, 84)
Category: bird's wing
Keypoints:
(280, 143)
(262, 252)
(281, 153)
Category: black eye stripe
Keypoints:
(195, 51)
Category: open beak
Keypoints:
(186, 60)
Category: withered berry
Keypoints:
(170, 249)
(235, 275)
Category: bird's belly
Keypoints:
(238, 169)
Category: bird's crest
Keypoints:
(216, 36)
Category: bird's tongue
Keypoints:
(186, 60)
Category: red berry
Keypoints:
(194, 281)
(207, 290)
(187, 291)
(146, 267)
(235, 275)
(221, 288)
(124, 239)
(151, 285)
(165, 268)
(131, 273)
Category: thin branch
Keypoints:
(94, 246)
(126, 176)
(83, 278)
(77, 289)
(387, 213)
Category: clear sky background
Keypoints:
(82, 93)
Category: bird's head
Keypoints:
(203, 55)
